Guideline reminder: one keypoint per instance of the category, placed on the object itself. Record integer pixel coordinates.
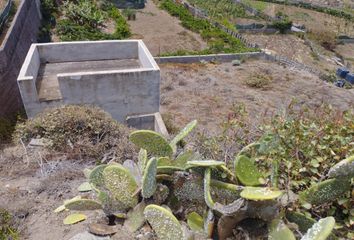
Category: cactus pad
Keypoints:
(195, 222)
(135, 218)
(96, 176)
(260, 193)
(182, 134)
(149, 179)
(207, 195)
(60, 209)
(85, 187)
(344, 168)
(205, 163)
(326, 191)
(121, 185)
(320, 230)
(279, 231)
(153, 142)
(163, 222)
(246, 171)
(74, 218)
(302, 221)
(142, 160)
(83, 205)
(133, 169)
(183, 158)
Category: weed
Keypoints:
(259, 80)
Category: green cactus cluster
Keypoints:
(164, 174)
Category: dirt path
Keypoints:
(208, 92)
(163, 33)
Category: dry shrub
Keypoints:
(79, 130)
(326, 38)
(259, 80)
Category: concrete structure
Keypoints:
(13, 49)
(121, 77)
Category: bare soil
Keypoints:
(333, 3)
(207, 92)
(347, 52)
(163, 33)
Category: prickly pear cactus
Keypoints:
(182, 134)
(149, 179)
(135, 218)
(279, 231)
(134, 170)
(326, 191)
(246, 171)
(74, 218)
(164, 223)
(82, 205)
(142, 160)
(96, 176)
(205, 163)
(260, 193)
(195, 221)
(302, 221)
(343, 169)
(153, 142)
(320, 230)
(121, 185)
(85, 187)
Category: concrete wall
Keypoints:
(119, 92)
(208, 58)
(13, 50)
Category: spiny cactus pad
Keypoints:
(183, 158)
(85, 187)
(326, 191)
(149, 179)
(205, 163)
(135, 217)
(302, 221)
(121, 185)
(60, 209)
(83, 205)
(74, 218)
(320, 230)
(153, 142)
(182, 134)
(96, 176)
(231, 208)
(134, 170)
(142, 160)
(163, 222)
(279, 231)
(195, 221)
(246, 171)
(260, 193)
(344, 168)
(207, 195)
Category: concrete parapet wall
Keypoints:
(120, 91)
(21, 34)
(208, 58)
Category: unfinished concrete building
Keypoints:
(120, 77)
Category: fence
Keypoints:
(5, 13)
(283, 60)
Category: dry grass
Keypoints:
(259, 80)
(80, 132)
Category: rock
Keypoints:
(102, 229)
(236, 62)
(39, 142)
(88, 236)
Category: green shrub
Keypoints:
(7, 226)
(87, 131)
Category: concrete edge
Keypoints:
(26, 63)
(160, 125)
(148, 54)
(211, 57)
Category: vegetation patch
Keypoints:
(259, 80)
(8, 228)
(79, 130)
(218, 41)
(83, 20)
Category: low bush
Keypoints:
(258, 80)
(8, 229)
(302, 145)
(87, 131)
